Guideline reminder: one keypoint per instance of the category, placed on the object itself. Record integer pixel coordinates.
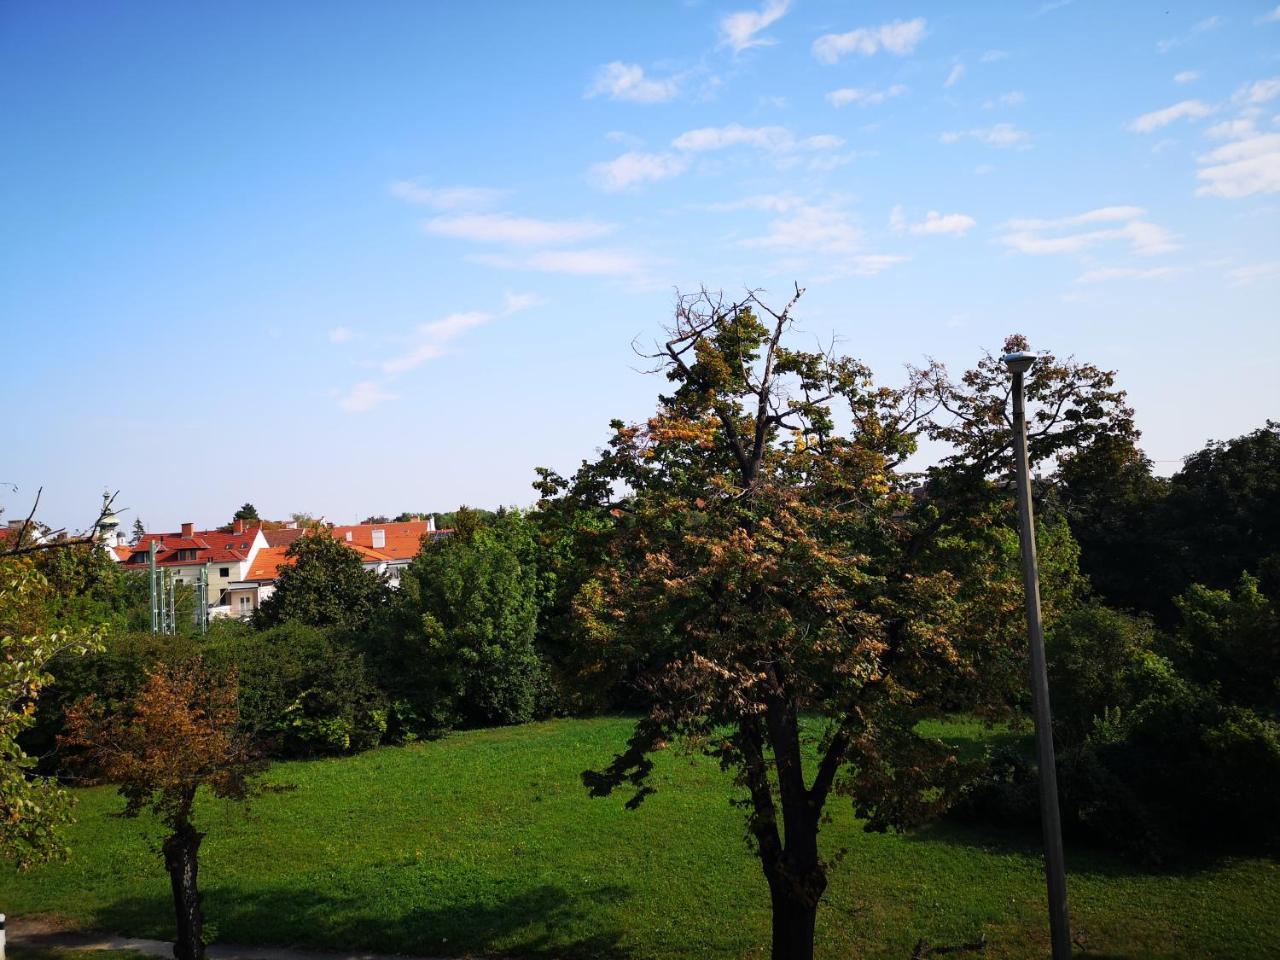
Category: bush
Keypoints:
(1100, 660)
(303, 690)
(459, 650)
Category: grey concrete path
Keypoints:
(38, 932)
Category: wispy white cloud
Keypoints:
(1014, 98)
(734, 134)
(1242, 168)
(627, 81)
(520, 231)
(1260, 91)
(815, 227)
(1003, 135)
(446, 198)
(1186, 76)
(364, 396)
(1118, 224)
(864, 96)
(870, 264)
(1238, 129)
(515, 302)
(1103, 274)
(635, 167)
(1255, 272)
(954, 77)
(900, 37)
(1172, 43)
(740, 30)
(1272, 17)
(1188, 109)
(585, 262)
(340, 334)
(934, 224)
(993, 56)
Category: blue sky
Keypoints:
(360, 258)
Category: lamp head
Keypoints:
(1019, 362)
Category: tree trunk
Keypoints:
(795, 911)
(180, 858)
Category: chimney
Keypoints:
(188, 531)
(431, 524)
(237, 526)
(379, 539)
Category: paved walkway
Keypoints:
(37, 932)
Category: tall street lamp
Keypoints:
(1050, 819)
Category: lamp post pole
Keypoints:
(1050, 818)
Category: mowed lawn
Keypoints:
(486, 843)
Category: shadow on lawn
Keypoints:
(542, 921)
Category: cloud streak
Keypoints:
(741, 30)
(900, 37)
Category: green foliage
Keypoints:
(1159, 757)
(303, 690)
(1111, 499)
(1100, 660)
(460, 646)
(246, 512)
(325, 585)
(1231, 639)
(34, 811)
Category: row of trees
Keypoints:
(756, 571)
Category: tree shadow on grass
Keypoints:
(540, 922)
(1083, 858)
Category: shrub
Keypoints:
(303, 690)
(459, 650)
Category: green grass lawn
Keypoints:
(486, 843)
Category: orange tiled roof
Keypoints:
(401, 541)
(266, 565)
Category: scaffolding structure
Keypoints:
(164, 602)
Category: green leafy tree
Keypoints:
(247, 512)
(1112, 500)
(1223, 510)
(462, 639)
(139, 531)
(377, 518)
(324, 585)
(1230, 639)
(33, 810)
(770, 559)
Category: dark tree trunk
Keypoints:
(795, 911)
(180, 858)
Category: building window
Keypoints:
(224, 571)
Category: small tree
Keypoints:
(326, 585)
(769, 560)
(179, 734)
(461, 645)
(139, 531)
(246, 512)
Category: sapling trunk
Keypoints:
(181, 852)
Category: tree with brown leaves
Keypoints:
(781, 587)
(178, 735)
